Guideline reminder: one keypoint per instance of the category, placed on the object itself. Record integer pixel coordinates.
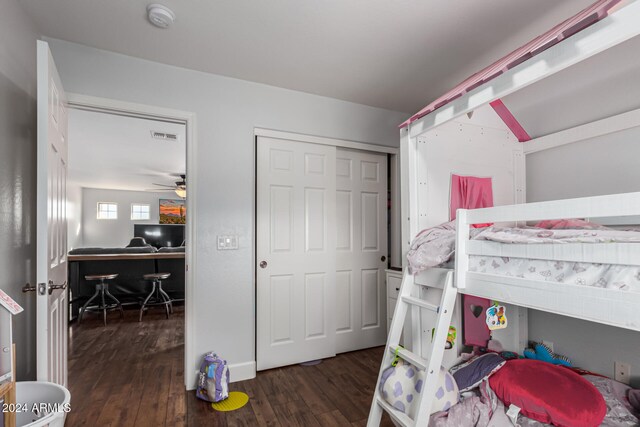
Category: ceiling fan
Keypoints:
(180, 187)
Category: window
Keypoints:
(107, 210)
(140, 211)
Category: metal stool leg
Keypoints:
(104, 305)
(86, 304)
(165, 297)
(146, 300)
(106, 291)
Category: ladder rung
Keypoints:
(420, 303)
(410, 357)
(398, 416)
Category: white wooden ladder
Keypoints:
(431, 365)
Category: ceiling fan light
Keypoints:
(181, 192)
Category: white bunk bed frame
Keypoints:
(425, 204)
(621, 309)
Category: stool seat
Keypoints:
(156, 276)
(157, 296)
(102, 291)
(101, 276)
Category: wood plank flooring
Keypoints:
(132, 374)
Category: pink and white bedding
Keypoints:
(608, 276)
(435, 246)
(483, 409)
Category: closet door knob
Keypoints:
(383, 258)
(263, 264)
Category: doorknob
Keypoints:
(28, 288)
(53, 287)
(263, 264)
(383, 258)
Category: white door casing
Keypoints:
(295, 250)
(51, 234)
(361, 249)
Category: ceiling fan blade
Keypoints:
(160, 189)
(163, 185)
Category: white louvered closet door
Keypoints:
(295, 250)
(361, 249)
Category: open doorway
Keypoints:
(128, 214)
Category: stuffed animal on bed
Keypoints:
(401, 385)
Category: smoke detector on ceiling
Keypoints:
(160, 16)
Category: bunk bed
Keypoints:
(470, 132)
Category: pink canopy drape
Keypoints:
(469, 192)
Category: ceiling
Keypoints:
(393, 54)
(117, 152)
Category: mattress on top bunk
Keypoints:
(608, 276)
(435, 246)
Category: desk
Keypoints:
(128, 287)
(120, 257)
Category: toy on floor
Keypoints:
(538, 351)
(400, 386)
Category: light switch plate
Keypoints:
(226, 243)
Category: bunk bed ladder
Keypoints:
(431, 365)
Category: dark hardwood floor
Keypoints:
(132, 374)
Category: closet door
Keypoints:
(361, 246)
(295, 249)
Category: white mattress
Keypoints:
(609, 276)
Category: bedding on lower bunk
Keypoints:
(493, 392)
(435, 246)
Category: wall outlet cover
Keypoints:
(622, 372)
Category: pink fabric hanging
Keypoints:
(469, 192)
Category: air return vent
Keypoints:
(164, 136)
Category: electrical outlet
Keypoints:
(548, 344)
(622, 372)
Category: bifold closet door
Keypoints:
(361, 246)
(295, 249)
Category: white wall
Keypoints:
(74, 216)
(597, 166)
(116, 233)
(17, 173)
(227, 111)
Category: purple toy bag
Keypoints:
(213, 379)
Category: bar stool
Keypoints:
(102, 289)
(157, 296)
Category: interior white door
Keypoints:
(51, 234)
(361, 221)
(295, 249)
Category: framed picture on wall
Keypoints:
(173, 211)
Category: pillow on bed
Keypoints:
(470, 374)
(549, 393)
(563, 224)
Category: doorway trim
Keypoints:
(129, 109)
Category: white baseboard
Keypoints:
(237, 372)
(242, 371)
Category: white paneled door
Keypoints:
(295, 249)
(51, 235)
(361, 221)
